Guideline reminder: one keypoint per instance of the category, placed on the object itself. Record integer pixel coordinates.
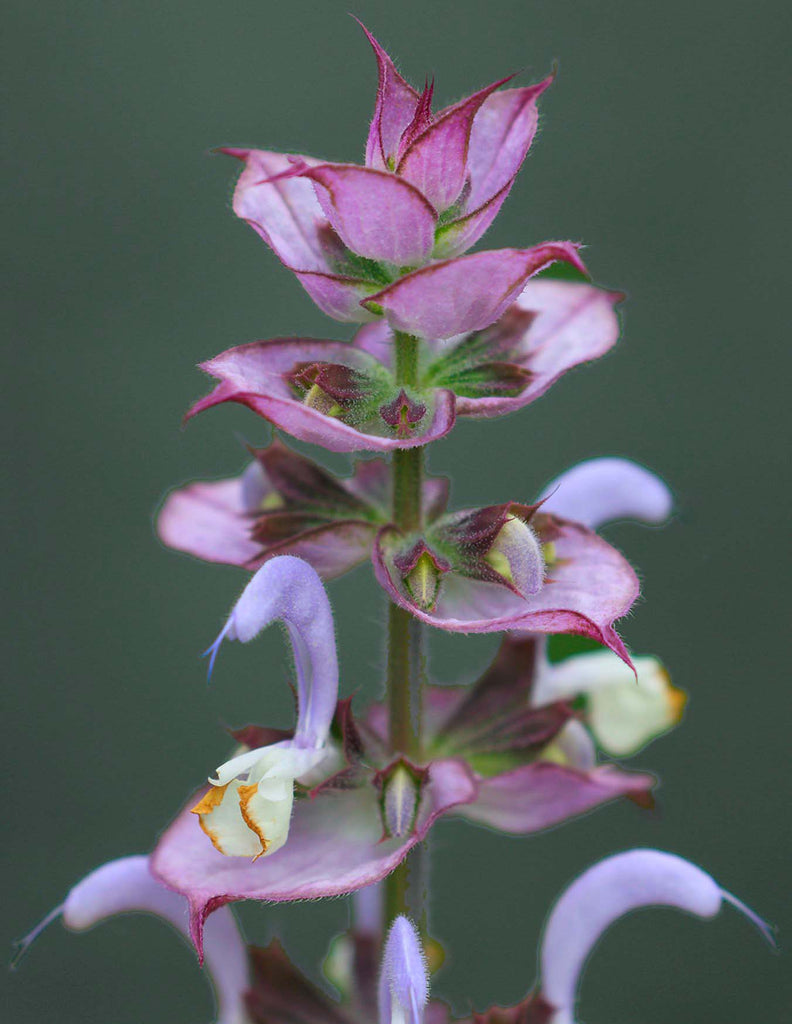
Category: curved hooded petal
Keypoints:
(127, 886)
(600, 491)
(335, 846)
(404, 980)
(393, 111)
(289, 589)
(260, 375)
(589, 585)
(624, 711)
(377, 214)
(541, 794)
(282, 208)
(550, 328)
(607, 891)
(468, 293)
(435, 161)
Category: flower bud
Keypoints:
(423, 582)
(516, 554)
(399, 802)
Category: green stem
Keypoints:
(405, 887)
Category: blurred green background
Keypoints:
(665, 148)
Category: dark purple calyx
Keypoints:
(494, 544)
(494, 725)
(280, 994)
(346, 735)
(330, 388)
(403, 414)
(533, 1010)
(304, 486)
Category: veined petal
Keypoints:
(287, 588)
(468, 293)
(607, 891)
(536, 796)
(377, 214)
(393, 111)
(600, 491)
(589, 586)
(335, 846)
(258, 376)
(502, 133)
(625, 711)
(551, 327)
(404, 981)
(436, 161)
(127, 886)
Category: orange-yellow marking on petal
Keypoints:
(211, 799)
(246, 794)
(677, 700)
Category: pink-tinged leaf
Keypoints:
(589, 586)
(211, 521)
(541, 794)
(436, 161)
(502, 133)
(281, 206)
(334, 847)
(378, 215)
(393, 111)
(468, 293)
(258, 376)
(550, 328)
(285, 211)
(600, 491)
(339, 297)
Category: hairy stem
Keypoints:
(405, 887)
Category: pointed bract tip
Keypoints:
(235, 151)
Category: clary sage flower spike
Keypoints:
(342, 802)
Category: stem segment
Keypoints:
(405, 887)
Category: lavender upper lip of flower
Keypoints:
(247, 810)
